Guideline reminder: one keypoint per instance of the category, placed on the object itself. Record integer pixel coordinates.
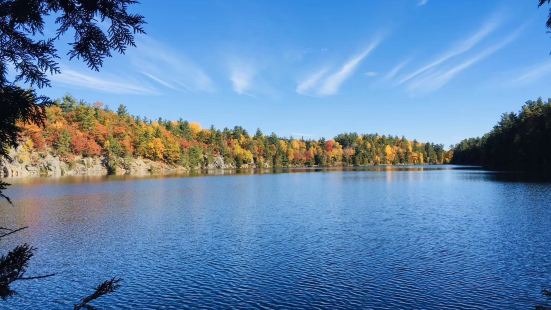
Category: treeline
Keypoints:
(519, 142)
(75, 128)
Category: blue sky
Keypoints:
(432, 70)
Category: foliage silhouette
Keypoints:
(519, 142)
(541, 3)
(32, 58)
(107, 287)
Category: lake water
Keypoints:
(433, 237)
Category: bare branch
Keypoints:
(12, 231)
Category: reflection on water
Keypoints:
(219, 172)
(381, 237)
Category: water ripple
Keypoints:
(442, 239)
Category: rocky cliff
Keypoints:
(26, 164)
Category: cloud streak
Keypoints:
(304, 87)
(322, 83)
(106, 83)
(437, 80)
(394, 71)
(458, 49)
(332, 83)
(535, 73)
(160, 69)
(169, 69)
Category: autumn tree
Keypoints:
(117, 135)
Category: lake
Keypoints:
(384, 238)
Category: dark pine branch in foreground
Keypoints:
(541, 3)
(107, 287)
(32, 58)
(14, 265)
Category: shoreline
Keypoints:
(241, 171)
(46, 165)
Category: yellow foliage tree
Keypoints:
(195, 128)
(155, 149)
(389, 154)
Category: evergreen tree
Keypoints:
(33, 57)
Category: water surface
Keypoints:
(374, 239)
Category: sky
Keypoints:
(431, 70)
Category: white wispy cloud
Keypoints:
(241, 77)
(422, 2)
(106, 83)
(334, 81)
(323, 83)
(535, 73)
(169, 68)
(371, 73)
(434, 81)
(395, 70)
(304, 87)
(160, 67)
(160, 81)
(458, 49)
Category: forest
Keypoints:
(75, 128)
(519, 142)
